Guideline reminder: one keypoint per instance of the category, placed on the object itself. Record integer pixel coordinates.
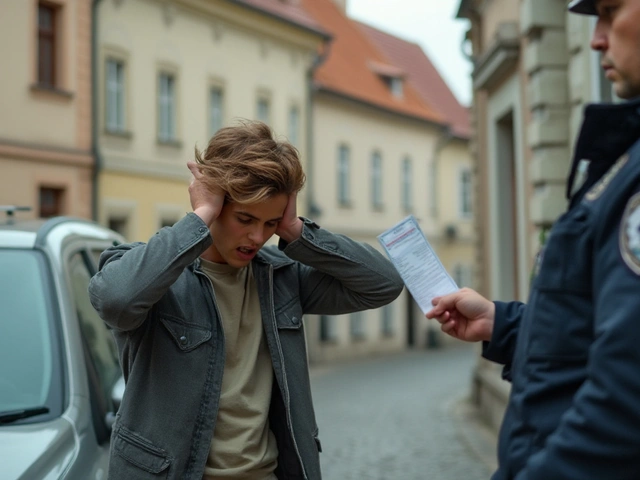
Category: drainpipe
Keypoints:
(313, 210)
(95, 147)
(445, 137)
(433, 336)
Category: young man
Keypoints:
(209, 323)
(573, 352)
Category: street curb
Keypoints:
(477, 437)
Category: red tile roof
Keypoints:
(288, 10)
(348, 68)
(423, 76)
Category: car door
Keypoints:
(99, 351)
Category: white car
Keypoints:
(60, 379)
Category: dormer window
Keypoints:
(395, 85)
(392, 76)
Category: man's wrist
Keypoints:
(206, 214)
(293, 232)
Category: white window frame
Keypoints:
(465, 193)
(329, 323)
(396, 85)
(263, 109)
(357, 325)
(294, 125)
(406, 186)
(167, 111)
(376, 181)
(216, 109)
(344, 175)
(387, 320)
(115, 95)
(463, 275)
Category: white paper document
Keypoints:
(418, 265)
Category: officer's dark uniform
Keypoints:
(573, 352)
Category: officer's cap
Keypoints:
(586, 7)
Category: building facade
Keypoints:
(45, 121)
(533, 74)
(170, 74)
(388, 135)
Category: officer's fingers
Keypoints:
(449, 327)
(445, 303)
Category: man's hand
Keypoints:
(465, 315)
(290, 227)
(205, 203)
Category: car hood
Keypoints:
(40, 450)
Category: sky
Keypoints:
(429, 23)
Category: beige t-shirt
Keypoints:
(243, 446)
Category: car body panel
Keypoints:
(66, 446)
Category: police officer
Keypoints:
(572, 352)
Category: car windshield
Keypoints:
(29, 360)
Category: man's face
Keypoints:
(617, 37)
(241, 230)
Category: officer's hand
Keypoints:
(290, 227)
(465, 315)
(205, 203)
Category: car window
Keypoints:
(29, 351)
(99, 340)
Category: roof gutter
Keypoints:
(313, 209)
(315, 31)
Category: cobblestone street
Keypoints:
(395, 417)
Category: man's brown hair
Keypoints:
(249, 164)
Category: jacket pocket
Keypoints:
(560, 308)
(186, 336)
(289, 316)
(141, 456)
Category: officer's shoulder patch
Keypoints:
(604, 182)
(630, 234)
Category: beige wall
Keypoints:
(203, 44)
(365, 130)
(45, 135)
(494, 13)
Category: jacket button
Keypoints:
(183, 340)
(295, 320)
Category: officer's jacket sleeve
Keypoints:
(600, 432)
(133, 277)
(338, 275)
(505, 333)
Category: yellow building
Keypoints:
(170, 73)
(45, 107)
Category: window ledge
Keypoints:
(358, 337)
(169, 143)
(378, 208)
(126, 134)
(345, 204)
(40, 87)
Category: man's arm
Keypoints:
(339, 275)
(133, 277)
